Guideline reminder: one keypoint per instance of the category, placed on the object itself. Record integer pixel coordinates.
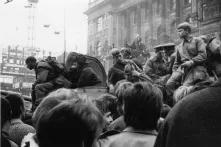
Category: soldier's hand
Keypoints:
(187, 64)
(135, 73)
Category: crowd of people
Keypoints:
(172, 100)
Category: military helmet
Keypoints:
(165, 46)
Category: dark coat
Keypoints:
(116, 73)
(85, 76)
(194, 121)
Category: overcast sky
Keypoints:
(14, 24)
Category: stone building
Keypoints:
(113, 23)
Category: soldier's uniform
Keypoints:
(155, 67)
(47, 80)
(193, 50)
(116, 73)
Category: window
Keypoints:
(99, 24)
(18, 61)
(187, 2)
(11, 61)
(172, 5)
(211, 11)
(134, 17)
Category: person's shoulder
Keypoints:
(43, 64)
(195, 100)
(198, 39)
(29, 128)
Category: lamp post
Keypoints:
(64, 35)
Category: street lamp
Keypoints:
(64, 35)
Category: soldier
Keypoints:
(155, 67)
(190, 55)
(48, 78)
(116, 73)
(79, 73)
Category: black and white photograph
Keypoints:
(110, 73)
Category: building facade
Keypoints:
(113, 23)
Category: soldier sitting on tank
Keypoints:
(79, 73)
(188, 68)
(49, 76)
(155, 67)
(116, 72)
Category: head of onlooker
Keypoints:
(119, 91)
(71, 123)
(18, 129)
(165, 110)
(17, 105)
(52, 100)
(6, 114)
(31, 62)
(142, 103)
(184, 30)
(107, 104)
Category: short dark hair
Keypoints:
(53, 99)
(107, 103)
(17, 104)
(6, 111)
(30, 59)
(70, 124)
(142, 106)
(119, 90)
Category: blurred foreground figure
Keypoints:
(6, 114)
(213, 49)
(142, 103)
(194, 121)
(18, 129)
(70, 124)
(49, 76)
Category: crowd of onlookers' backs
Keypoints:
(134, 116)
